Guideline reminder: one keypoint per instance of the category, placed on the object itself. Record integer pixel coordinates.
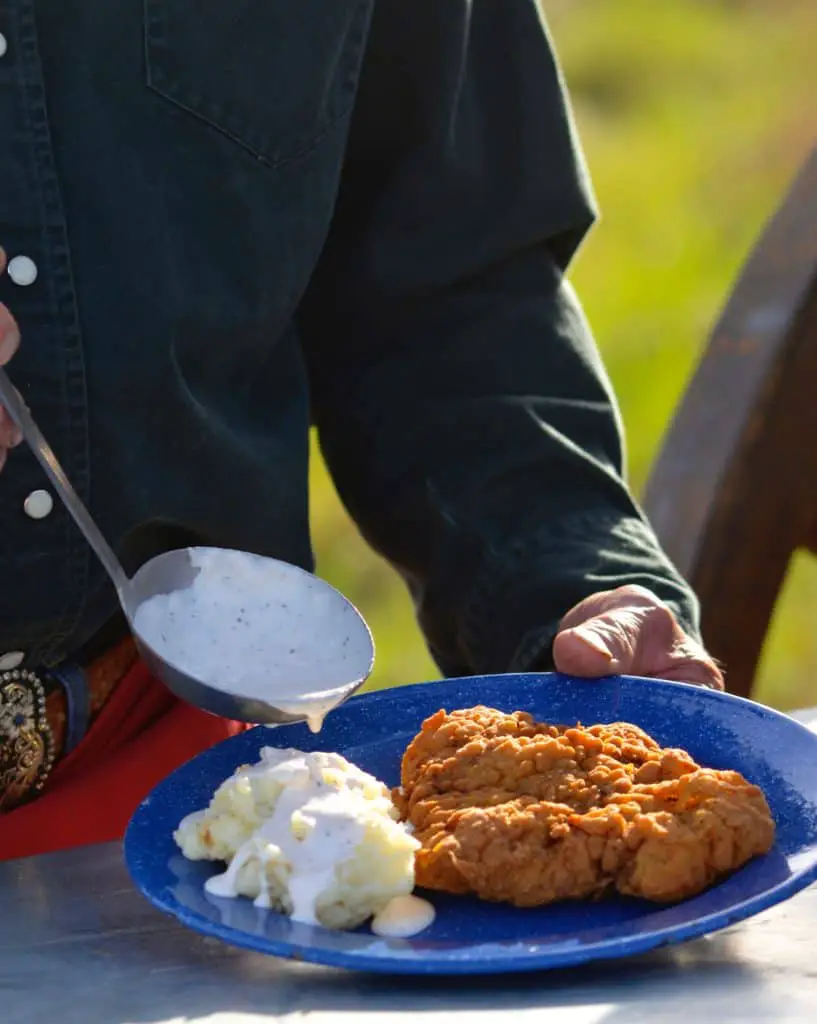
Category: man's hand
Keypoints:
(629, 631)
(9, 342)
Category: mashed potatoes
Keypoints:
(309, 835)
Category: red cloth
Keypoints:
(141, 735)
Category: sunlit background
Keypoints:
(695, 115)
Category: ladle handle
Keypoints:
(18, 411)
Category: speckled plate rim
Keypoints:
(504, 956)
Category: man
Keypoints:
(226, 221)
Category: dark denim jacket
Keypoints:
(253, 215)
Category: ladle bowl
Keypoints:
(313, 620)
(323, 637)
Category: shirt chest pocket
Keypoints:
(274, 75)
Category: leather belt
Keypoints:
(45, 714)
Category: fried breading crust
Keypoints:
(527, 813)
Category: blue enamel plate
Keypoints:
(469, 936)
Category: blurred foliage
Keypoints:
(694, 115)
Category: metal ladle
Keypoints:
(338, 625)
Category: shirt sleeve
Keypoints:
(462, 406)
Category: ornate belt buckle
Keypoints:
(26, 741)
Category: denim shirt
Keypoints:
(254, 216)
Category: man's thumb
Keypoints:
(595, 648)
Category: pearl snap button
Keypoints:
(11, 660)
(38, 504)
(3, 45)
(22, 270)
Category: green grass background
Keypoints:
(695, 115)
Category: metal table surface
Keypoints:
(79, 946)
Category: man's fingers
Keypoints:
(9, 343)
(10, 435)
(698, 673)
(9, 332)
(9, 335)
